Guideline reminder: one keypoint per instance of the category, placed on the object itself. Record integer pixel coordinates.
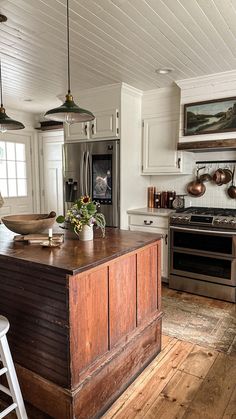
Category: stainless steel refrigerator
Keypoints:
(93, 168)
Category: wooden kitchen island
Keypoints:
(85, 318)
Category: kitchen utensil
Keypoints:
(228, 175)
(157, 200)
(28, 223)
(205, 177)
(196, 187)
(232, 189)
(219, 177)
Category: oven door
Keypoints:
(203, 254)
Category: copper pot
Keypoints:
(196, 187)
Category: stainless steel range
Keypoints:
(203, 252)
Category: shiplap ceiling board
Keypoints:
(111, 41)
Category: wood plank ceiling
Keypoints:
(111, 41)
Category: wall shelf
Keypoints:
(213, 145)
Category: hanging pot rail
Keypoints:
(214, 161)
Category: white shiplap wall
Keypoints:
(171, 100)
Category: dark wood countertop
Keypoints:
(74, 256)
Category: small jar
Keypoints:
(170, 197)
(151, 193)
(164, 199)
(157, 200)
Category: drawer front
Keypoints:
(148, 221)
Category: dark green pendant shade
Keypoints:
(69, 112)
(6, 123)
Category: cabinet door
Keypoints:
(160, 153)
(105, 124)
(75, 132)
(164, 247)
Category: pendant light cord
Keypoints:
(1, 81)
(68, 47)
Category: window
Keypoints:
(13, 180)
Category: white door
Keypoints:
(16, 173)
(51, 171)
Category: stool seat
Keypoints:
(4, 326)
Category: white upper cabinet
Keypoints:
(160, 136)
(76, 132)
(160, 115)
(105, 125)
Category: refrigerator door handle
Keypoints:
(82, 174)
(89, 175)
(86, 173)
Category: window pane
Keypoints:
(11, 169)
(11, 151)
(3, 188)
(21, 170)
(12, 187)
(3, 170)
(20, 152)
(2, 150)
(22, 187)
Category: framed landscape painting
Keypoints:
(213, 116)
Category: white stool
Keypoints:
(9, 370)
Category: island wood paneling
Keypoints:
(75, 337)
(35, 304)
(122, 298)
(147, 287)
(88, 300)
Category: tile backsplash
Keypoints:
(215, 196)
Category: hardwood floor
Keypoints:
(185, 381)
(194, 377)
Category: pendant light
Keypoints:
(6, 123)
(69, 112)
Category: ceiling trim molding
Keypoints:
(216, 78)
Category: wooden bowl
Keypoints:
(28, 223)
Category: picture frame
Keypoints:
(209, 117)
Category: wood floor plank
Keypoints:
(230, 412)
(175, 398)
(214, 395)
(139, 403)
(167, 343)
(199, 361)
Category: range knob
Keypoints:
(217, 221)
(225, 221)
(233, 222)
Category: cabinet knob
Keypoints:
(166, 239)
(148, 223)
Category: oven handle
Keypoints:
(231, 233)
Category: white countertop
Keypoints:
(160, 212)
